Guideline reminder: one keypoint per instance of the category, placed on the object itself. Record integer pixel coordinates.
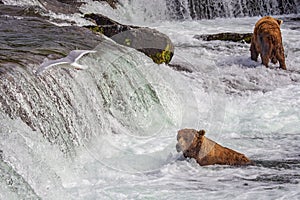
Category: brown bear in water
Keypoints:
(195, 145)
(267, 42)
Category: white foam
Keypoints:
(21, 2)
(240, 103)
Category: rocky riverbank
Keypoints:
(151, 42)
(28, 36)
(27, 39)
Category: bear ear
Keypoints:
(279, 21)
(200, 133)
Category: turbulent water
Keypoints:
(109, 132)
(219, 8)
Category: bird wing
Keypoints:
(75, 55)
(71, 58)
(50, 63)
(78, 66)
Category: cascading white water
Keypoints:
(205, 9)
(72, 107)
(220, 8)
(122, 98)
(109, 132)
(139, 11)
(21, 2)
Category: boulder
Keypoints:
(195, 145)
(149, 41)
(105, 25)
(152, 43)
(233, 37)
(61, 6)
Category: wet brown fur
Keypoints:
(267, 42)
(195, 145)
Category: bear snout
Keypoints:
(178, 147)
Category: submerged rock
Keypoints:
(292, 21)
(180, 67)
(234, 37)
(154, 44)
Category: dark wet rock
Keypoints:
(149, 41)
(279, 179)
(34, 11)
(179, 67)
(69, 6)
(101, 19)
(112, 3)
(73, 2)
(108, 30)
(295, 19)
(31, 11)
(234, 37)
(105, 25)
(279, 164)
(29, 40)
(154, 44)
(61, 6)
(292, 22)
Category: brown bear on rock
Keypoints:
(267, 42)
(195, 145)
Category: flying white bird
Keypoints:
(70, 59)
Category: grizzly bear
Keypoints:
(266, 41)
(195, 145)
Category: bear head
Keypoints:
(189, 142)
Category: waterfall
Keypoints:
(207, 9)
(139, 11)
(69, 107)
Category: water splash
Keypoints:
(206, 9)
(21, 2)
(68, 107)
(211, 9)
